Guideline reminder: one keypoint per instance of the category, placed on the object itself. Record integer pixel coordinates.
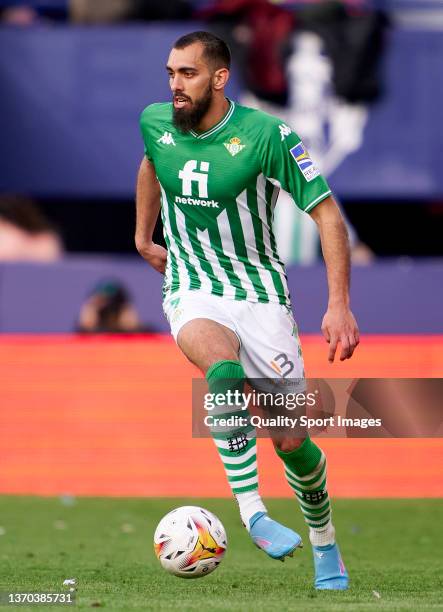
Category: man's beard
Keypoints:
(186, 120)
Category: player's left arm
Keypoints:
(339, 324)
(286, 161)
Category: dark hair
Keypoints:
(113, 291)
(24, 213)
(216, 51)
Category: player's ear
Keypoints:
(220, 78)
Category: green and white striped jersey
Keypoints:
(219, 189)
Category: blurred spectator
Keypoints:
(18, 14)
(25, 233)
(29, 12)
(109, 310)
(354, 39)
(111, 11)
(101, 11)
(259, 34)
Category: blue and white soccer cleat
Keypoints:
(276, 540)
(330, 572)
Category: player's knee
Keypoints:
(286, 444)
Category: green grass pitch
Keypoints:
(392, 548)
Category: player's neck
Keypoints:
(215, 114)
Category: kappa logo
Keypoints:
(178, 312)
(174, 312)
(167, 139)
(285, 130)
(234, 146)
(188, 175)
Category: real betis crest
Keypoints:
(234, 146)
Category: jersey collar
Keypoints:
(218, 126)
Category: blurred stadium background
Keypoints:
(89, 414)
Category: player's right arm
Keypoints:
(147, 210)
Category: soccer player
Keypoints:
(214, 169)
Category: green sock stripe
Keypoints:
(317, 526)
(316, 513)
(305, 483)
(313, 510)
(318, 523)
(239, 466)
(312, 475)
(313, 486)
(304, 459)
(227, 453)
(251, 487)
(316, 517)
(320, 487)
(241, 477)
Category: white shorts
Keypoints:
(269, 343)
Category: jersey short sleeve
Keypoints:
(287, 163)
(146, 120)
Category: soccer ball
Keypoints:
(190, 542)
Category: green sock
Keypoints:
(237, 446)
(305, 469)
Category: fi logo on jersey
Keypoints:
(189, 175)
(304, 162)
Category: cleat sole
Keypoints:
(290, 553)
